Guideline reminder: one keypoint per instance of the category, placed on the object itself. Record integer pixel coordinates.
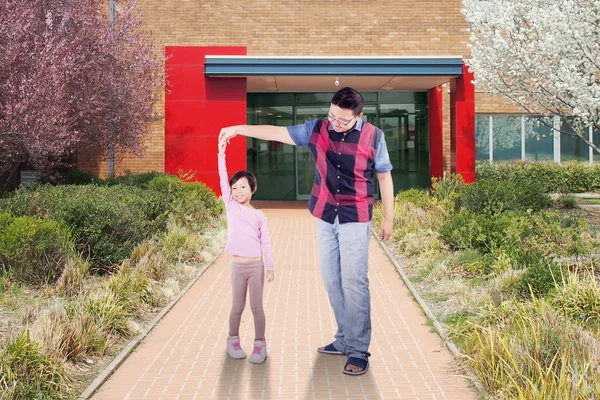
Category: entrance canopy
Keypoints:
(318, 74)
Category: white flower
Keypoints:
(541, 54)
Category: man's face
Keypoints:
(341, 119)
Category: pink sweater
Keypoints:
(247, 234)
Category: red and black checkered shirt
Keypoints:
(343, 185)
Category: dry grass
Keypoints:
(72, 280)
(526, 351)
(80, 318)
(540, 349)
(30, 312)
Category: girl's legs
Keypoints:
(256, 283)
(239, 284)
(244, 277)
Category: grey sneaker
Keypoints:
(259, 354)
(234, 348)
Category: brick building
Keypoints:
(282, 61)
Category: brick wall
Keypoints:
(488, 104)
(304, 28)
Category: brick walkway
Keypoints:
(184, 356)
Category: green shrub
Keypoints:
(558, 234)
(494, 197)
(485, 233)
(418, 197)
(129, 179)
(106, 222)
(5, 220)
(192, 204)
(540, 278)
(568, 177)
(567, 201)
(472, 262)
(448, 191)
(74, 176)
(515, 233)
(33, 250)
(26, 372)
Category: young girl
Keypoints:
(248, 241)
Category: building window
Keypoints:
(539, 141)
(596, 141)
(482, 137)
(503, 137)
(506, 137)
(572, 148)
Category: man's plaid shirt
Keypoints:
(347, 161)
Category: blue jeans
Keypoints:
(344, 256)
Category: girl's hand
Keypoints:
(270, 276)
(222, 146)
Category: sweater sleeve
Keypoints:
(224, 180)
(265, 242)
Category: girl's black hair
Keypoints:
(244, 174)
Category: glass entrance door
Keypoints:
(286, 172)
(406, 133)
(305, 163)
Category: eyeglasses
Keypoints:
(340, 121)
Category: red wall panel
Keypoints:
(462, 125)
(196, 108)
(436, 132)
(201, 118)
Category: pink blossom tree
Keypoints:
(66, 76)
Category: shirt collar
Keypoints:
(358, 126)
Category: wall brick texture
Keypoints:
(303, 28)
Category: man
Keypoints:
(347, 153)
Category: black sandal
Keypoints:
(329, 349)
(359, 362)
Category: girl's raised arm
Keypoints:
(223, 178)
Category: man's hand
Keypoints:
(227, 133)
(386, 230)
(270, 276)
(222, 146)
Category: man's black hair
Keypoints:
(349, 99)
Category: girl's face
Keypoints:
(241, 192)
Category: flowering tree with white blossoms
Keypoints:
(543, 55)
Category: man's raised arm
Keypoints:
(263, 132)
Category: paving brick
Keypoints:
(184, 356)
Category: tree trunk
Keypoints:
(7, 178)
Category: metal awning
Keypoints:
(247, 66)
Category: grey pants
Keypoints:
(247, 277)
